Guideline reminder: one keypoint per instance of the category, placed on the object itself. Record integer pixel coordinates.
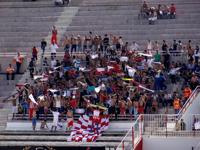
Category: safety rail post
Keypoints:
(133, 144)
(123, 148)
(140, 124)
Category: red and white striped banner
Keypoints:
(87, 129)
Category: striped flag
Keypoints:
(86, 130)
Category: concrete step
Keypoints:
(52, 138)
(60, 144)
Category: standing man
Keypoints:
(105, 43)
(55, 120)
(18, 60)
(54, 48)
(10, 72)
(43, 46)
(96, 119)
(31, 67)
(34, 53)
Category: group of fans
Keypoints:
(111, 76)
(161, 12)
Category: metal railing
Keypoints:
(189, 102)
(169, 125)
(132, 137)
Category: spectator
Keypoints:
(66, 44)
(44, 124)
(18, 60)
(187, 92)
(55, 120)
(196, 55)
(14, 106)
(172, 11)
(106, 42)
(43, 46)
(54, 48)
(31, 67)
(10, 71)
(159, 11)
(34, 121)
(34, 53)
(190, 49)
(134, 46)
(73, 44)
(177, 105)
(157, 57)
(182, 125)
(145, 8)
(175, 45)
(179, 46)
(166, 12)
(178, 126)
(54, 32)
(152, 15)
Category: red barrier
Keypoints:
(139, 145)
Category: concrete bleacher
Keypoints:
(121, 18)
(109, 139)
(24, 24)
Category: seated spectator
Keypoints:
(166, 12)
(59, 2)
(159, 12)
(172, 11)
(10, 71)
(144, 10)
(152, 15)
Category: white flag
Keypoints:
(94, 56)
(37, 77)
(32, 99)
(144, 54)
(123, 58)
(140, 86)
(97, 89)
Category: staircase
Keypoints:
(4, 111)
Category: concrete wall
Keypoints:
(169, 143)
(27, 126)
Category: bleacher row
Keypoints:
(22, 28)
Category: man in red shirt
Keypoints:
(172, 11)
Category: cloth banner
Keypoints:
(86, 130)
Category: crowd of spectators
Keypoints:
(109, 73)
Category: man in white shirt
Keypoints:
(53, 48)
(55, 120)
(53, 63)
(134, 46)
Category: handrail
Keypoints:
(130, 131)
(188, 102)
